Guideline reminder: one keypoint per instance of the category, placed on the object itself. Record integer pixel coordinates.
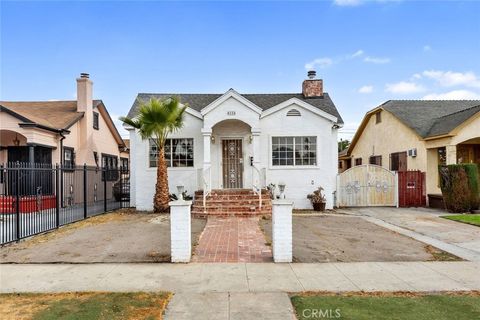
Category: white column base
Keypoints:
(282, 230)
(180, 231)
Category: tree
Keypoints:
(343, 144)
(156, 120)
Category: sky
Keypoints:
(366, 52)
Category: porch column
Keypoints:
(31, 161)
(451, 154)
(31, 155)
(256, 146)
(207, 135)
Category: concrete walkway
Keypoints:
(242, 277)
(427, 226)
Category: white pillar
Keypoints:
(180, 231)
(451, 154)
(282, 230)
(256, 145)
(207, 136)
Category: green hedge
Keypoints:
(460, 186)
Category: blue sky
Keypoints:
(366, 51)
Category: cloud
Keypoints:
(366, 89)
(404, 87)
(450, 78)
(376, 60)
(427, 48)
(319, 62)
(453, 95)
(358, 53)
(347, 3)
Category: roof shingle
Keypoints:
(263, 101)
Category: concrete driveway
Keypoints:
(426, 222)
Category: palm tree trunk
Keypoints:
(162, 196)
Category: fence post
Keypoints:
(180, 231)
(105, 190)
(85, 213)
(120, 170)
(282, 230)
(17, 201)
(57, 194)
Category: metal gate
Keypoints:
(367, 185)
(411, 187)
(232, 164)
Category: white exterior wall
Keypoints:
(300, 181)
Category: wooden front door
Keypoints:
(232, 164)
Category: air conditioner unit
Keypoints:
(412, 152)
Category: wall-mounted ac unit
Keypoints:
(412, 152)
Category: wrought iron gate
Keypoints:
(232, 163)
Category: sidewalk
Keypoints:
(242, 277)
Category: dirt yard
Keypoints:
(337, 238)
(122, 236)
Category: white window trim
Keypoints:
(302, 167)
(149, 168)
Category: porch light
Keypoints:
(281, 187)
(250, 139)
(16, 142)
(180, 192)
(212, 139)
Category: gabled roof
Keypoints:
(427, 118)
(52, 114)
(55, 115)
(265, 101)
(430, 118)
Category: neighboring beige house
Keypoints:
(418, 135)
(68, 132)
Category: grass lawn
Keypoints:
(84, 306)
(473, 219)
(388, 306)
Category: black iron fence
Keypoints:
(41, 197)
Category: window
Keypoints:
(178, 153)
(294, 151)
(378, 117)
(124, 163)
(358, 161)
(340, 164)
(375, 160)
(442, 156)
(110, 165)
(293, 113)
(398, 161)
(95, 120)
(68, 157)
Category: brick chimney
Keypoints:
(84, 93)
(311, 87)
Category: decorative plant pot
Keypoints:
(319, 206)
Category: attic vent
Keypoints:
(293, 113)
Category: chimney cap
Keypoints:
(312, 74)
(84, 75)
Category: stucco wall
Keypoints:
(299, 180)
(389, 136)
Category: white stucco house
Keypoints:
(248, 141)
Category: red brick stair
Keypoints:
(231, 202)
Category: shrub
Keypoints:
(472, 171)
(459, 184)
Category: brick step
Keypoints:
(230, 214)
(232, 202)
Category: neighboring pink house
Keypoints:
(73, 132)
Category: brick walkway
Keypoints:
(232, 239)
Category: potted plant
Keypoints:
(317, 199)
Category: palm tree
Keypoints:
(156, 120)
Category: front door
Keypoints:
(232, 164)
